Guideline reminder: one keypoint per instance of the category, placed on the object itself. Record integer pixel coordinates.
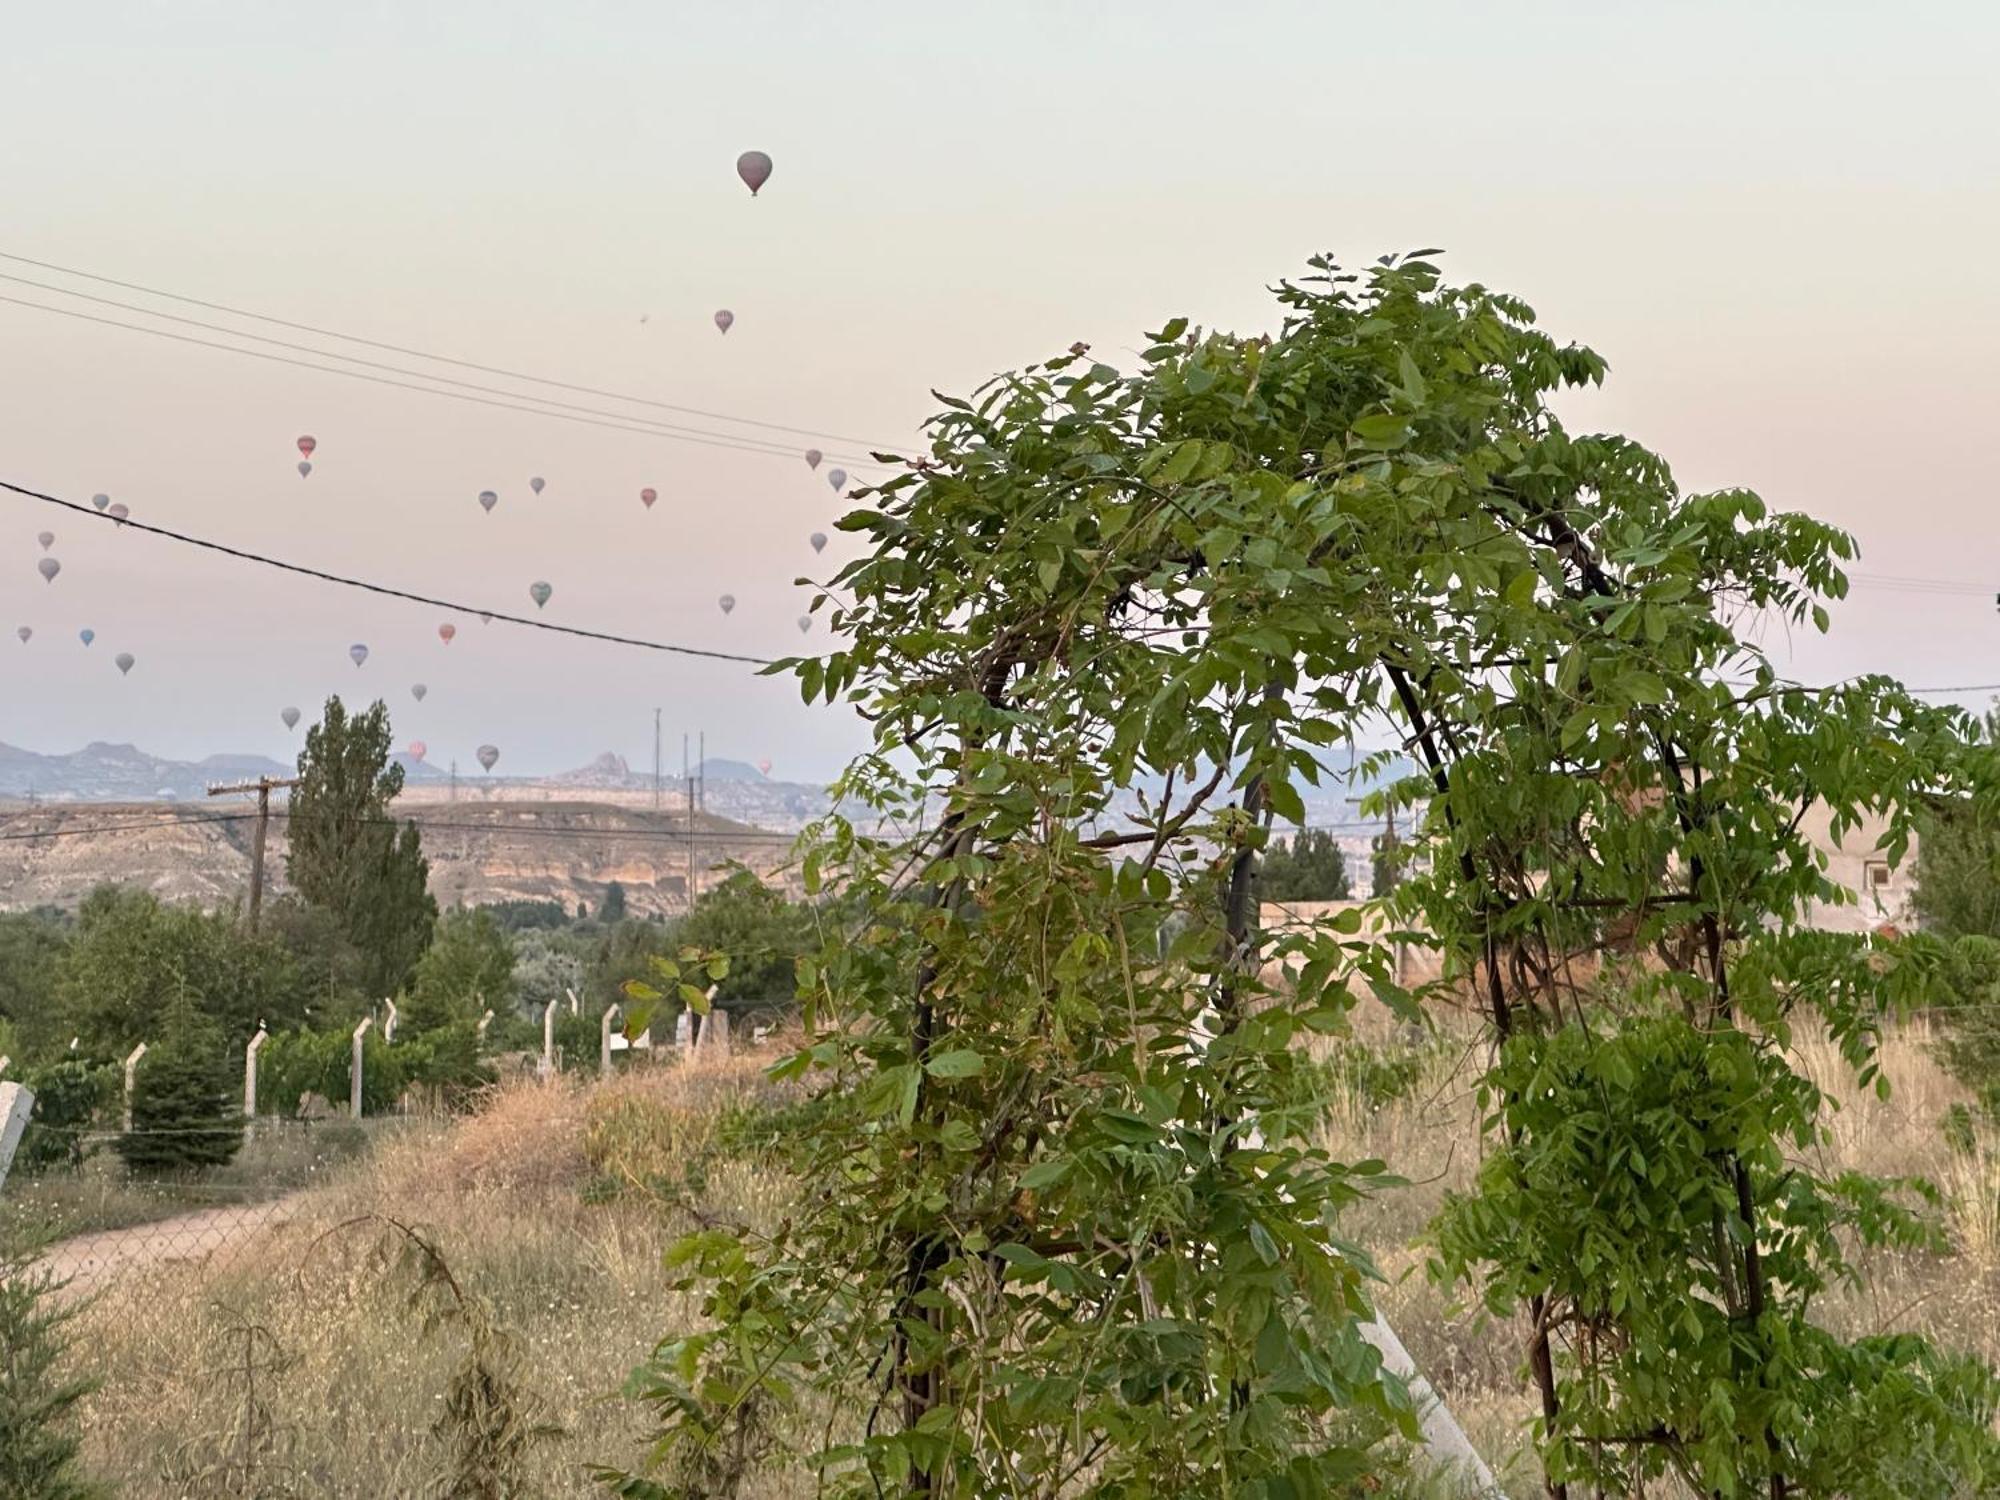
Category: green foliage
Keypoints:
(333, 973)
(763, 933)
(1039, 1239)
(611, 910)
(529, 916)
(1309, 868)
(69, 1096)
(31, 949)
(39, 1435)
(184, 1107)
(468, 969)
(547, 965)
(134, 958)
(344, 852)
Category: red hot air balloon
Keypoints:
(813, 456)
(648, 495)
(754, 167)
(446, 631)
(306, 445)
(418, 749)
(723, 318)
(764, 767)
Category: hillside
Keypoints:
(481, 851)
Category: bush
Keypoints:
(184, 1114)
(68, 1096)
(39, 1439)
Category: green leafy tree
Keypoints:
(70, 1095)
(40, 1435)
(547, 965)
(344, 851)
(1064, 1223)
(1309, 868)
(468, 968)
(611, 910)
(133, 958)
(762, 932)
(31, 948)
(184, 1111)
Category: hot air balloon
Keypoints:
(536, 484)
(813, 456)
(487, 500)
(290, 716)
(728, 602)
(100, 501)
(763, 768)
(488, 754)
(48, 567)
(86, 635)
(358, 652)
(805, 623)
(26, 633)
(539, 592)
(723, 318)
(485, 618)
(119, 511)
(837, 478)
(647, 496)
(418, 749)
(418, 691)
(124, 663)
(46, 538)
(304, 468)
(306, 446)
(754, 167)
(446, 631)
(818, 540)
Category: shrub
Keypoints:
(184, 1114)
(39, 1440)
(68, 1096)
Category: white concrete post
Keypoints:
(684, 1033)
(250, 1072)
(611, 1015)
(714, 1043)
(389, 1021)
(16, 1104)
(484, 1022)
(4, 1060)
(354, 1068)
(131, 1074)
(549, 1039)
(1444, 1440)
(575, 1005)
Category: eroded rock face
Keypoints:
(480, 852)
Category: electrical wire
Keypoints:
(167, 818)
(403, 349)
(378, 588)
(741, 443)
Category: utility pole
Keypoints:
(687, 796)
(454, 779)
(263, 787)
(656, 760)
(701, 772)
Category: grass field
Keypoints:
(299, 1350)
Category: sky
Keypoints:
(1772, 219)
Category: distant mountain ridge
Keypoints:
(105, 772)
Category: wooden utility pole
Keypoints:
(263, 787)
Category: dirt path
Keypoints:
(88, 1260)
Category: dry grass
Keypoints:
(521, 1201)
(503, 1196)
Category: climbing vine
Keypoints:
(1066, 1227)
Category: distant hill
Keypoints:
(104, 772)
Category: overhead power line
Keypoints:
(403, 349)
(378, 588)
(167, 817)
(740, 442)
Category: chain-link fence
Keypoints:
(76, 1206)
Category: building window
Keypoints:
(1875, 875)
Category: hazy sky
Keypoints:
(1774, 220)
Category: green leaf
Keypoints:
(962, 1063)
